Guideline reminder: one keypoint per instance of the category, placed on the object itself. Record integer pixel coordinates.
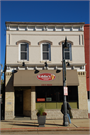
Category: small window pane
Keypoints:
(23, 47)
(67, 55)
(45, 56)
(67, 49)
(45, 47)
(23, 55)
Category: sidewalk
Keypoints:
(50, 125)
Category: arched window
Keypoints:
(46, 51)
(68, 52)
(24, 51)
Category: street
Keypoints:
(48, 133)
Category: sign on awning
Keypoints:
(28, 78)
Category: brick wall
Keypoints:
(9, 96)
(87, 53)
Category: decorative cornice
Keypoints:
(42, 64)
(26, 26)
(44, 23)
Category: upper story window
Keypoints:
(46, 51)
(68, 52)
(24, 51)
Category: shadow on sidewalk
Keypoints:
(33, 124)
(6, 121)
(25, 125)
(53, 124)
(45, 123)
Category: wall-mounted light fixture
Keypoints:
(36, 71)
(82, 67)
(67, 63)
(46, 65)
(23, 64)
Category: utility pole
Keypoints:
(65, 119)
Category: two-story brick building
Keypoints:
(29, 84)
(87, 61)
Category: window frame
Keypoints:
(27, 52)
(46, 51)
(70, 51)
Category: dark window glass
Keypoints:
(72, 93)
(45, 47)
(67, 49)
(88, 93)
(46, 51)
(55, 93)
(23, 55)
(23, 47)
(67, 55)
(45, 56)
(67, 52)
(51, 94)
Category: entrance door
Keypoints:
(18, 103)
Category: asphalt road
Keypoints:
(48, 133)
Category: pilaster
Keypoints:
(33, 103)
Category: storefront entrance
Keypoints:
(18, 102)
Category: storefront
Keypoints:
(48, 90)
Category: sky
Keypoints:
(40, 11)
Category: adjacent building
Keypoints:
(34, 76)
(87, 61)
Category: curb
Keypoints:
(45, 129)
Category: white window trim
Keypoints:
(20, 52)
(69, 53)
(42, 52)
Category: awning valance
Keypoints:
(45, 78)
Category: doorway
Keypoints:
(18, 102)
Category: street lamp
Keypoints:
(65, 119)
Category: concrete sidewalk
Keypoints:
(50, 125)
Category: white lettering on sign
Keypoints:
(66, 91)
(46, 76)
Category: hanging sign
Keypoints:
(66, 91)
(46, 77)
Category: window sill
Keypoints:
(23, 61)
(68, 61)
(43, 61)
